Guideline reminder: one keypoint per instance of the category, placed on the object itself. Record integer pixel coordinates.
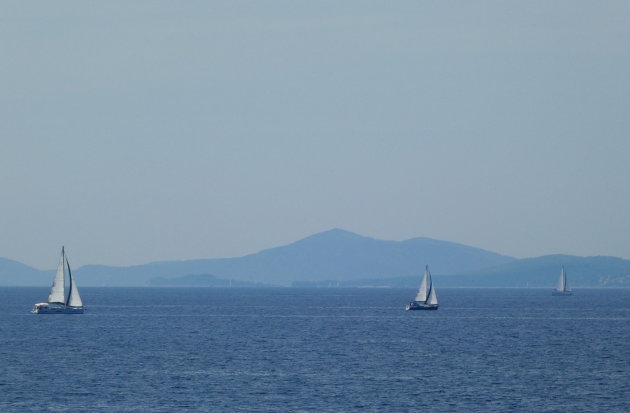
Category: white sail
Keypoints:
(432, 296)
(56, 292)
(422, 292)
(562, 282)
(74, 299)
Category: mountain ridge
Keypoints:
(342, 257)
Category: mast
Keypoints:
(58, 287)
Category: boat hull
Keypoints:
(45, 308)
(421, 306)
(562, 293)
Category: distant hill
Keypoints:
(334, 254)
(599, 271)
(529, 272)
(13, 273)
(201, 280)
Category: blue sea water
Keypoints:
(316, 350)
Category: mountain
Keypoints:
(13, 273)
(335, 254)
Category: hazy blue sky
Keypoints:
(141, 131)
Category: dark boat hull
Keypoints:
(56, 309)
(562, 293)
(421, 306)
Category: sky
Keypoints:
(142, 131)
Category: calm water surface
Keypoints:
(320, 350)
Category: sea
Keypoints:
(316, 350)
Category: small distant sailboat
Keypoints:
(426, 299)
(57, 303)
(562, 288)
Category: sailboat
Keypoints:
(562, 288)
(57, 302)
(426, 299)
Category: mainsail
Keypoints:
(562, 282)
(422, 292)
(56, 292)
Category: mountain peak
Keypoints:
(339, 232)
(335, 234)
